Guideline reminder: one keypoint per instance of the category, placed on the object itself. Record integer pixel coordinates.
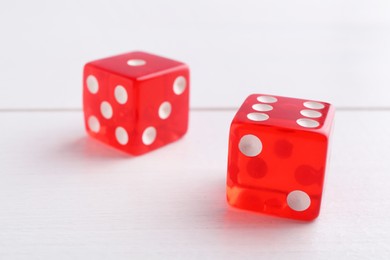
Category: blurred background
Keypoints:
(336, 50)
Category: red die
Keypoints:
(278, 150)
(136, 102)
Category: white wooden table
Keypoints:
(66, 196)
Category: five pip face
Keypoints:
(136, 102)
(278, 146)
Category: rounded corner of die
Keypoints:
(86, 67)
(313, 218)
(331, 110)
(252, 95)
(233, 125)
(184, 65)
(185, 69)
(248, 98)
(323, 135)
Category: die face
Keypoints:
(108, 103)
(269, 163)
(288, 113)
(138, 110)
(162, 113)
(275, 167)
(137, 65)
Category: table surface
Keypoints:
(66, 196)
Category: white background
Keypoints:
(65, 196)
(334, 50)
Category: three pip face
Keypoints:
(278, 147)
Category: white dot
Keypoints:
(262, 107)
(149, 135)
(121, 135)
(267, 99)
(309, 123)
(313, 105)
(120, 94)
(93, 124)
(164, 110)
(257, 116)
(179, 85)
(311, 113)
(106, 109)
(250, 145)
(92, 84)
(136, 62)
(298, 200)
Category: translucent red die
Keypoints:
(278, 152)
(136, 102)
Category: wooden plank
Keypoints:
(63, 195)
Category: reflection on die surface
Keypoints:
(278, 151)
(136, 102)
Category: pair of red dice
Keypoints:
(278, 146)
